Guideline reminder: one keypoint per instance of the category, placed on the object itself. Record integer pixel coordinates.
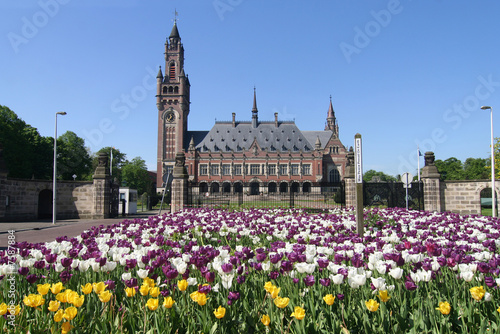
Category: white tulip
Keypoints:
(396, 273)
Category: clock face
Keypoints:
(170, 117)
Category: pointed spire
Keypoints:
(160, 74)
(317, 145)
(331, 113)
(255, 119)
(330, 118)
(175, 32)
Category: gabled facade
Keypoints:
(271, 156)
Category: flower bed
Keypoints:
(214, 271)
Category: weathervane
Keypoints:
(175, 16)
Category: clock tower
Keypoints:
(172, 101)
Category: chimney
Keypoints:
(234, 120)
(276, 119)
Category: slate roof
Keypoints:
(312, 136)
(223, 137)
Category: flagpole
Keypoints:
(418, 162)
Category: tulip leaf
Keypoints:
(214, 328)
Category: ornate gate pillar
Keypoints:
(179, 196)
(102, 188)
(432, 184)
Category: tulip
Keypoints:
(298, 313)
(43, 289)
(152, 304)
(372, 305)
(154, 292)
(266, 320)
(477, 292)
(268, 286)
(58, 316)
(105, 296)
(70, 313)
(275, 292)
(329, 299)
(86, 289)
(99, 287)
(384, 296)
(65, 328)
(3, 308)
(182, 285)
(220, 312)
(281, 302)
(444, 308)
(130, 292)
(56, 288)
(202, 299)
(33, 300)
(144, 289)
(53, 306)
(168, 302)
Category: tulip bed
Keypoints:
(277, 271)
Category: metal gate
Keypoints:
(393, 194)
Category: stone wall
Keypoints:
(463, 196)
(32, 199)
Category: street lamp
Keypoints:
(54, 191)
(493, 203)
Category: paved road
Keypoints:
(45, 231)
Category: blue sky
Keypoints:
(401, 73)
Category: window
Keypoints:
(237, 169)
(172, 71)
(203, 170)
(214, 169)
(283, 169)
(254, 169)
(226, 169)
(295, 169)
(272, 169)
(306, 169)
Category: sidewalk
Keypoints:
(45, 231)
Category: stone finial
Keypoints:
(102, 169)
(180, 170)
(317, 145)
(430, 170)
(349, 170)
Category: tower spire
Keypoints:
(331, 122)
(255, 118)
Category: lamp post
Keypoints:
(493, 202)
(54, 190)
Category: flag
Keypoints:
(419, 153)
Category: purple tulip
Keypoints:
(227, 268)
(204, 288)
(410, 285)
(309, 280)
(210, 276)
(50, 258)
(324, 281)
(31, 278)
(23, 271)
(66, 262)
(65, 276)
(110, 284)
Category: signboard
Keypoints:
(358, 159)
(406, 178)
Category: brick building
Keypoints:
(235, 156)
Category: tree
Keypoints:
(450, 169)
(476, 169)
(135, 175)
(26, 153)
(73, 158)
(368, 176)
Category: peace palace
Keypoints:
(241, 156)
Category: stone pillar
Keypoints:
(179, 195)
(350, 185)
(432, 184)
(102, 188)
(3, 179)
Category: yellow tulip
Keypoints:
(220, 312)
(78, 301)
(149, 282)
(268, 286)
(202, 299)
(71, 295)
(70, 313)
(281, 302)
(33, 300)
(498, 309)
(58, 316)
(65, 328)
(56, 288)
(275, 292)
(154, 292)
(194, 296)
(444, 308)
(372, 305)
(99, 287)
(3, 308)
(152, 304)
(105, 296)
(477, 292)
(182, 285)
(144, 289)
(384, 296)
(130, 292)
(53, 306)
(265, 320)
(298, 313)
(87, 288)
(168, 302)
(17, 309)
(329, 299)
(43, 289)
(62, 297)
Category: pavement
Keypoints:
(45, 231)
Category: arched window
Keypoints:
(271, 187)
(172, 71)
(283, 187)
(165, 89)
(214, 188)
(295, 187)
(226, 187)
(176, 89)
(306, 187)
(170, 89)
(334, 176)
